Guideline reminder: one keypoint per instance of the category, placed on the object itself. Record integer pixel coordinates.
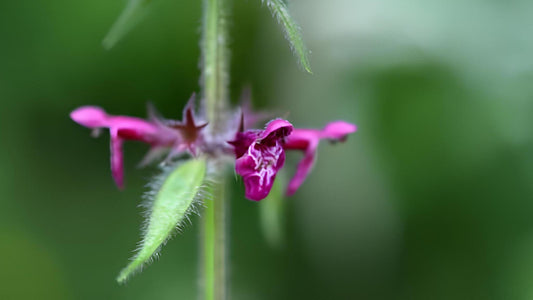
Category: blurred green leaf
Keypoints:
(130, 16)
(272, 214)
(170, 204)
(292, 31)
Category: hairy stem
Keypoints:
(214, 84)
(215, 63)
(214, 246)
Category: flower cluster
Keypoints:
(259, 154)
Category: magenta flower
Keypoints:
(307, 140)
(260, 156)
(261, 153)
(160, 134)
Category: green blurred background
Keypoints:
(430, 199)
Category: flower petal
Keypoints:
(304, 168)
(258, 169)
(90, 116)
(131, 128)
(117, 158)
(275, 130)
(300, 139)
(253, 190)
(338, 130)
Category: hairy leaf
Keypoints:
(291, 29)
(129, 17)
(173, 198)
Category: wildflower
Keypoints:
(261, 153)
(160, 134)
(259, 156)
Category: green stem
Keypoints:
(215, 246)
(215, 97)
(215, 63)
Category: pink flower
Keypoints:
(259, 156)
(261, 153)
(158, 133)
(307, 140)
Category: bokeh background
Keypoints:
(430, 199)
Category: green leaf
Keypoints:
(130, 16)
(291, 29)
(272, 214)
(170, 203)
